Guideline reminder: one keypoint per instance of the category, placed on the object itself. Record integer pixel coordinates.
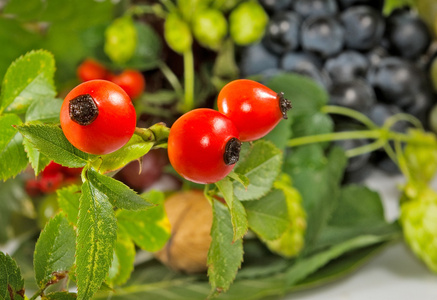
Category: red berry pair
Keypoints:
(204, 144)
(130, 80)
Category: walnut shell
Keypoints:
(190, 216)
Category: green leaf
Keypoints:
(261, 164)
(37, 160)
(149, 229)
(11, 281)
(24, 11)
(44, 110)
(315, 123)
(59, 296)
(54, 251)
(317, 178)
(119, 194)
(29, 78)
(13, 158)
(96, 236)
(124, 255)
(68, 201)
(280, 135)
(268, 216)
(304, 267)
(359, 211)
(51, 141)
(236, 209)
(134, 149)
(225, 255)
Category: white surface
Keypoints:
(395, 273)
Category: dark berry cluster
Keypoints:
(366, 61)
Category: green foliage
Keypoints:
(11, 281)
(44, 110)
(118, 194)
(68, 201)
(12, 156)
(96, 236)
(51, 141)
(59, 296)
(124, 255)
(268, 216)
(390, 5)
(317, 178)
(149, 229)
(20, 89)
(54, 251)
(225, 255)
(261, 164)
(134, 149)
(236, 209)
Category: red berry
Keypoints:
(254, 108)
(52, 168)
(131, 81)
(51, 182)
(98, 117)
(203, 145)
(90, 69)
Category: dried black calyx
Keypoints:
(83, 109)
(232, 151)
(284, 104)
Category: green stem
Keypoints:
(38, 293)
(338, 110)
(334, 136)
(171, 77)
(403, 117)
(366, 148)
(189, 80)
(145, 133)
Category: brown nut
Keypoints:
(190, 216)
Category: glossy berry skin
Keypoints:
(364, 27)
(407, 34)
(197, 145)
(254, 108)
(282, 32)
(131, 81)
(322, 35)
(347, 65)
(90, 69)
(309, 8)
(114, 124)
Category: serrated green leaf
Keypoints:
(225, 255)
(44, 110)
(54, 251)
(261, 164)
(119, 194)
(236, 209)
(59, 296)
(11, 281)
(317, 178)
(37, 160)
(134, 149)
(149, 229)
(29, 78)
(268, 216)
(96, 236)
(125, 255)
(13, 158)
(68, 201)
(51, 141)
